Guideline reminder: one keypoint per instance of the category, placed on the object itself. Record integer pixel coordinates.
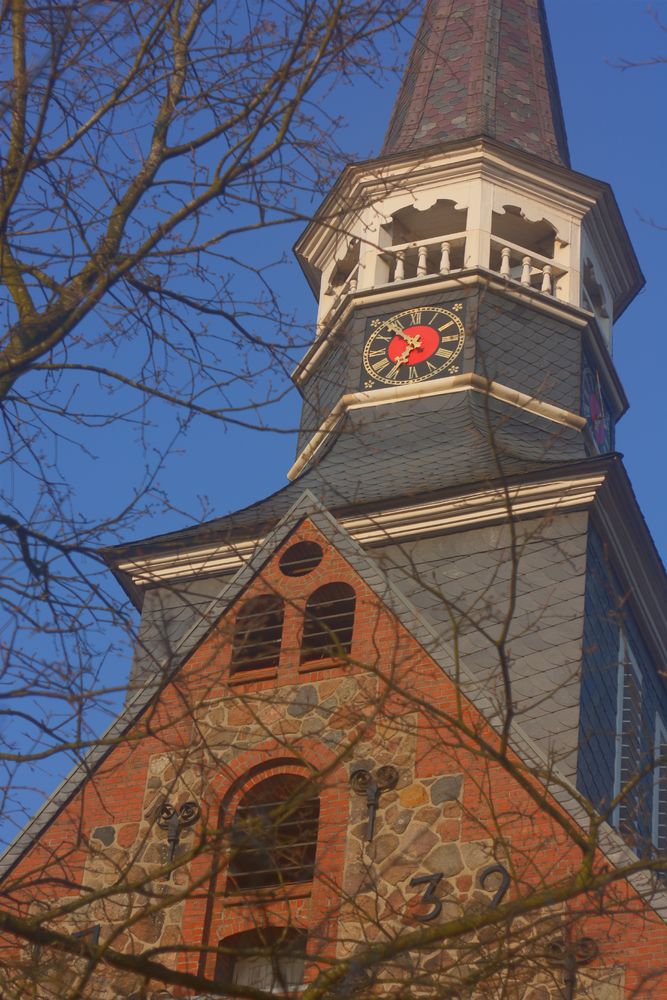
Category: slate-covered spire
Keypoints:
(481, 68)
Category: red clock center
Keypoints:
(429, 342)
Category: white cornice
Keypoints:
(467, 382)
(394, 525)
(367, 183)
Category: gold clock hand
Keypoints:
(412, 342)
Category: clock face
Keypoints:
(595, 408)
(414, 345)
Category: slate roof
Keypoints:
(380, 455)
(481, 68)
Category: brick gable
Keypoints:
(461, 808)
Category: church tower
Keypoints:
(438, 648)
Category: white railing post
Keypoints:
(445, 259)
(505, 267)
(352, 285)
(399, 272)
(422, 266)
(525, 272)
(547, 284)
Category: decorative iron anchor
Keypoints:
(174, 820)
(372, 787)
(570, 955)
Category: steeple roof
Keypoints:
(481, 68)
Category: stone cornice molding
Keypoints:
(368, 183)
(395, 524)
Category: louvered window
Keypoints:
(660, 789)
(258, 634)
(329, 622)
(630, 812)
(274, 834)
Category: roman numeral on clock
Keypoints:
(442, 352)
(395, 326)
(381, 365)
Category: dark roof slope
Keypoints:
(481, 68)
(378, 458)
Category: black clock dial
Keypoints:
(414, 345)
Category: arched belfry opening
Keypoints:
(423, 241)
(513, 226)
(343, 275)
(524, 249)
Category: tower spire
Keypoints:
(481, 68)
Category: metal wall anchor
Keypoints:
(174, 820)
(570, 955)
(372, 786)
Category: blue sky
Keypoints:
(616, 128)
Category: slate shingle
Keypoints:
(455, 85)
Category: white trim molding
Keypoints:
(394, 525)
(467, 382)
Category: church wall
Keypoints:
(456, 810)
(465, 580)
(608, 614)
(167, 615)
(530, 351)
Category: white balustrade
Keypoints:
(434, 256)
(445, 258)
(505, 266)
(531, 270)
(526, 271)
(399, 273)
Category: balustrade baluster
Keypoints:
(505, 267)
(399, 272)
(445, 260)
(422, 266)
(525, 273)
(352, 285)
(547, 284)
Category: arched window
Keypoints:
(258, 633)
(274, 834)
(329, 622)
(270, 959)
